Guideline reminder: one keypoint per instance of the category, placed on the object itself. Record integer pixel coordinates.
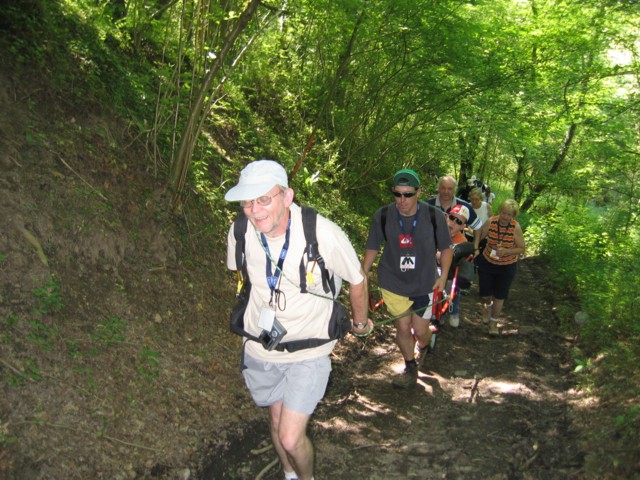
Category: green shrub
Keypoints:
(48, 298)
(596, 260)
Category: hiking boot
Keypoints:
(454, 320)
(493, 328)
(407, 378)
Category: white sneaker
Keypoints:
(454, 320)
(493, 327)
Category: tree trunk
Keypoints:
(518, 188)
(334, 95)
(539, 187)
(182, 160)
(468, 145)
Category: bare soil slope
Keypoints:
(115, 356)
(116, 360)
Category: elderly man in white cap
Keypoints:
(290, 382)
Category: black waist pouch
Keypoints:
(236, 319)
(340, 324)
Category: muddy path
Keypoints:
(483, 408)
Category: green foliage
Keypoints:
(596, 262)
(320, 189)
(71, 44)
(12, 320)
(31, 372)
(6, 440)
(628, 422)
(149, 364)
(599, 268)
(490, 88)
(48, 298)
(110, 332)
(582, 364)
(41, 334)
(73, 347)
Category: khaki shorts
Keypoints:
(299, 385)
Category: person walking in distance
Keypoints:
(489, 196)
(445, 200)
(497, 260)
(411, 232)
(483, 209)
(464, 191)
(289, 381)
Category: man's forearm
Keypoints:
(369, 258)
(446, 257)
(358, 299)
(476, 237)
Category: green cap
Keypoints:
(406, 178)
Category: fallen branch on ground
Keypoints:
(258, 451)
(263, 472)
(474, 388)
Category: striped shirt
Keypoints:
(500, 237)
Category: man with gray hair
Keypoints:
(445, 200)
(289, 381)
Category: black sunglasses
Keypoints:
(453, 218)
(405, 194)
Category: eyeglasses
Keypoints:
(453, 218)
(263, 201)
(403, 194)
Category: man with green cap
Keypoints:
(407, 270)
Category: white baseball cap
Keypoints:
(256, 179)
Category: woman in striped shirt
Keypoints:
(497, 261)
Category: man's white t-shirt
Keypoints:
(306, 315)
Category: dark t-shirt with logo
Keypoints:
(407, 266)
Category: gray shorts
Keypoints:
(300, 385)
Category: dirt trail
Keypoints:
(484, 408)
(136, 375)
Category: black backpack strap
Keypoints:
(383, 221)
(432, 214)
(296, 345)
(236, 321)
(239, 231)
(312, 253)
